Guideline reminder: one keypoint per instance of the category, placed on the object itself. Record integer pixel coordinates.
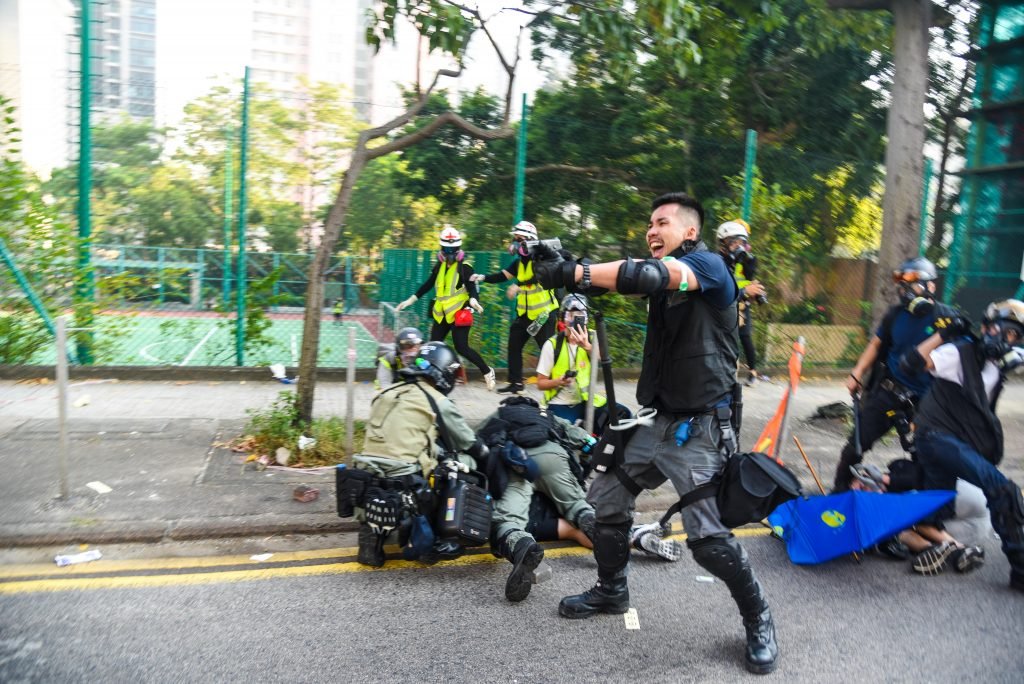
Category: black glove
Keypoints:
(552, 269)
(950, 323)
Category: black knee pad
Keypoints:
(723, 558)
(611, 548)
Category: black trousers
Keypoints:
(875, 421)
(517, 337)
(460, 336)
(747, 340)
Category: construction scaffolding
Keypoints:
(987, 259)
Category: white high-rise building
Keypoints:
(34, 76)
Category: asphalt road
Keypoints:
(316, 616)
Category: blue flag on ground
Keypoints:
(820, 528)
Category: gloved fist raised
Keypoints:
(554, 268)
(950, 323)
(475, 305)
(406, 303)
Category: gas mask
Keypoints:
(997, 349)
(917, 304)
(518, 248)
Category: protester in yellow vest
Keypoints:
(563, 371)
(734, 246)
(534, 304)
(455, 299)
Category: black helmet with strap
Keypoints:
(437, 363)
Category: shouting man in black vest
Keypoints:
(688, 374)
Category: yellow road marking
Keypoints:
(14, 580)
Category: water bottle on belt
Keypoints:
(537, 324)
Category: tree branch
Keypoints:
(860, 4)
(441, 120)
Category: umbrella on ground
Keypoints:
(820, 528)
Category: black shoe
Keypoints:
(370, 551)
(525, 558)
(512, 388)
(586, 524)
(892, 548)
(611, 596)
(762, 651)
(1017, 581)
(443, 550)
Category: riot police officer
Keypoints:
(958, 433)
(407, 346)
(402, 435)
(891, 392)
(688, 375)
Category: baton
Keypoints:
(856, 427)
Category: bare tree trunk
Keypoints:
(901, 207)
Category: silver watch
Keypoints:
(584, 283)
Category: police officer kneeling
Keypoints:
(401, 446)
(688, 374)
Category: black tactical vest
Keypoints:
(690, 352)
(964, 411)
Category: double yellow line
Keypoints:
(114, 574)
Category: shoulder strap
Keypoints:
(704, 491)
(559, 343)
(441, 428)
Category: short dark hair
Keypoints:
(683, 200)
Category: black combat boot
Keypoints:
(610, 594)
(726, 560)
(525, 558)
(1006, 506)
(607, 596)
(587, 523)
(371, 550)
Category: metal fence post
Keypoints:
(242, 265)
(749, 163)
(520, 188)
(350, 388)
(62, 404)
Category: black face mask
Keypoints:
(994, 346)
(688, 246)
(917, 304)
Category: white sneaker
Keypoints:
(648, 538)
(489, 379)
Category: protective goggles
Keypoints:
(409, 344)
(908, 277)
(450, 251)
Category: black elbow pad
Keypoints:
(912, 363)
(642, 277)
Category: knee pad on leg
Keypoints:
(723, 558)
(611, 549)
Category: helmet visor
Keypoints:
(450, 251)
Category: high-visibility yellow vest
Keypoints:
(448, 299)
(533, 300)
(582, 384)
(741, 277)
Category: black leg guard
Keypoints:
(610, 594)
(726, 560)
(1006, 505)
(371, 547)
(847, 458)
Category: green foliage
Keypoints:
(813, 310)
(277, 426)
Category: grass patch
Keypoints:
(275, 426)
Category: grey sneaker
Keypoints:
(649, 539)
(934, 559)
(489, 379)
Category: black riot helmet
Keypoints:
(437, 363)
(912, 272)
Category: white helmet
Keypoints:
(525, 229)
(451, 238)
(734, 228)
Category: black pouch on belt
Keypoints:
(610, 449)
(350, 489)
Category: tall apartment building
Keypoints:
(319, 40)
(34, 76)
(125, 43)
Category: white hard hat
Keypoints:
(526, 230)
(734, 228)
(451, 238)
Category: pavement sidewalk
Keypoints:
(154, 444)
